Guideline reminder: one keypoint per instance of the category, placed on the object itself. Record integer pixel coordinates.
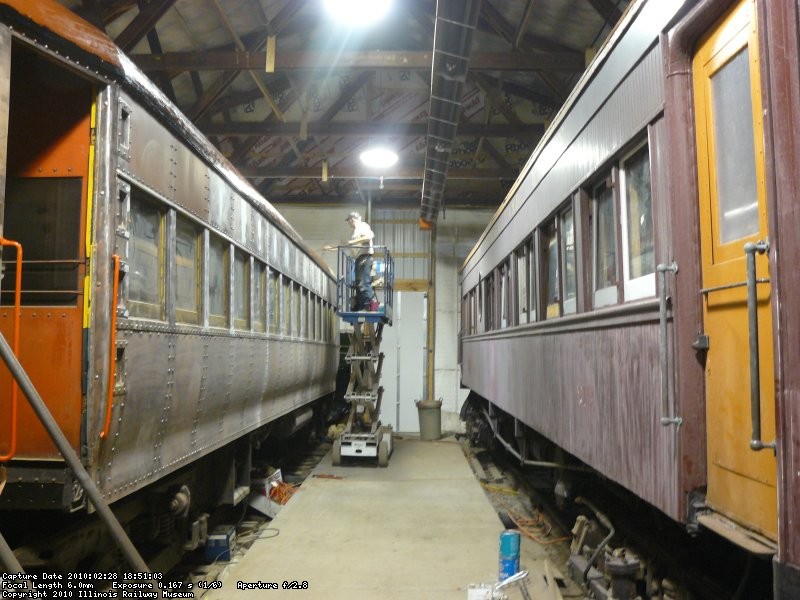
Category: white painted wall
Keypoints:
(458, 230)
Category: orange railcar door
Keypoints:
(741, 481)
(48, 181)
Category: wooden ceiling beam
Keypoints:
(405, 172)
(606, 9)
(149, 15)
(369, 59)
(366, 129)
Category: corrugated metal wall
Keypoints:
(458, 230)
(409, 245)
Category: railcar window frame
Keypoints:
(569, 304)
(643, 286)
(551, 268)
(286, 312)
(273, 301)
(184, 314)
(220, 261)
(297, 299)
(259, 308)
(241, 290)
(604, 222)
(138, 306)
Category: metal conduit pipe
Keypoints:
(8, 559)
(604, 520)
(531, 463)
(72, 460)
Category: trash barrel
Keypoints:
(430, 419)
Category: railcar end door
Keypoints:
(732, 196)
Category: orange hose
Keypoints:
(112, 351)
(14, 345)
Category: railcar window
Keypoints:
(568, 267)
(473, 320)
(735, 167)
(259, 296)
(187, 277)
(318, 318)
(523, 280)
(638, 243)
(286, 321)
(241, 290)
(146, 256)
(273, 300)
(218, 268)
(43, 215)
(506, 295)
(298, 309)
(326, 335)
(604, 248)
(488, 302)
(550, 273)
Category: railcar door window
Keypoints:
(733, 131)
(638, 245)
(605, 246)
(146, 278)
(218, 267)
(187, 297)
(43, 214)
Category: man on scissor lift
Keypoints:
(361, 242)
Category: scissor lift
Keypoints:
(364, 436)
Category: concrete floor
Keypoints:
(420, 528)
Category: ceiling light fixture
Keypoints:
(378, 158)
(358, 13)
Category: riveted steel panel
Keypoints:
(152, 150)
(192, 183)
(218, 201)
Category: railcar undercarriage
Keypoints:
(621, 547)
(164, 521)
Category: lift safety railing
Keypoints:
(12, 449)
(61, 442)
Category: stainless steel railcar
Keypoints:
(167, 310)
(633, 299)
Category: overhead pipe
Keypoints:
(452, 41)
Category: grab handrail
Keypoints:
(750, 250)
(15, 345)
(663, 346)
(112, 358)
